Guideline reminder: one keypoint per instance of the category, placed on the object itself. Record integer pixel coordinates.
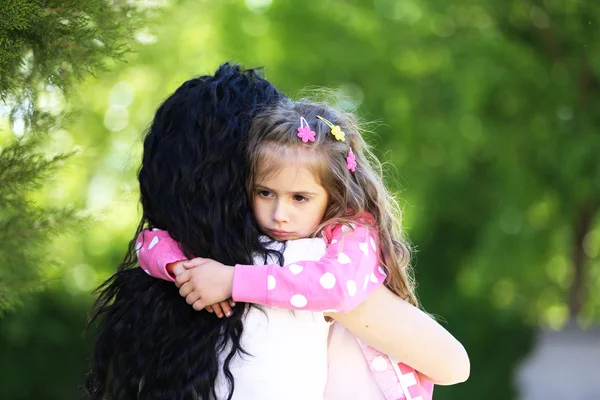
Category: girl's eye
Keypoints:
(300, 198)
(264, 193)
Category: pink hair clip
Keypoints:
(351, 161)
(304, 131)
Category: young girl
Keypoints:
(311, 175)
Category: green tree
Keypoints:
(45, 48)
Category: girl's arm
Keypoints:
(155, 251)
(404, 332)
(340, 280)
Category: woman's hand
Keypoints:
(205, 282)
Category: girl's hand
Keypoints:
(175, 268)
(222, 308)
(205, 282)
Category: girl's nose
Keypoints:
(280, 214)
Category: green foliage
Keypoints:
(24, 225)
(44, 354)
(488, 117)
(54, 42)
(45, 46)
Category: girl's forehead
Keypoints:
(289, 163)
(289, 179)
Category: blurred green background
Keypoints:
(487, 118)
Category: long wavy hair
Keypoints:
(274, 140)
(149, 344)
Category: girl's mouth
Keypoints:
(280, 235)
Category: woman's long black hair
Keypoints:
(149, 343)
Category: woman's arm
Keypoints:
(402, 331)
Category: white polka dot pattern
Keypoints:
(374, 278)
(364, 248)
(271, 282)
(379, 363)
(351, 286)
(381, 270)
(327, 280)
(153, 242)
(298, 301)
(138, 246)
(366, 282)
(373, 244)
(396, 380)
(296, 269)
(343, 258)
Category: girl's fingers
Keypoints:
(226, 307)
(192, 298)
(176, 268)
(218, 310)
(221, 309)
(198, 305)
(186, 289)
(181, 278)
(195, 262)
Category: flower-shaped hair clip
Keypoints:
(335, 129)
(304, 131)
(351, 161)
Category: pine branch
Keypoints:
(46, 44)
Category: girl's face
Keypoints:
(288, 203)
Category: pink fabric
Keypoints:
(342, 279)
(396, 380)
(155, 249)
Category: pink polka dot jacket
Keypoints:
(345, 276)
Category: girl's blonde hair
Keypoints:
(273, 139)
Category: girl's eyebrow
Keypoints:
(304, 193)
(258, 187)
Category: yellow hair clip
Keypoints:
(335, 129)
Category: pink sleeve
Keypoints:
(348, 273)
(155, 249)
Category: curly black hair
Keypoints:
(149, 344)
